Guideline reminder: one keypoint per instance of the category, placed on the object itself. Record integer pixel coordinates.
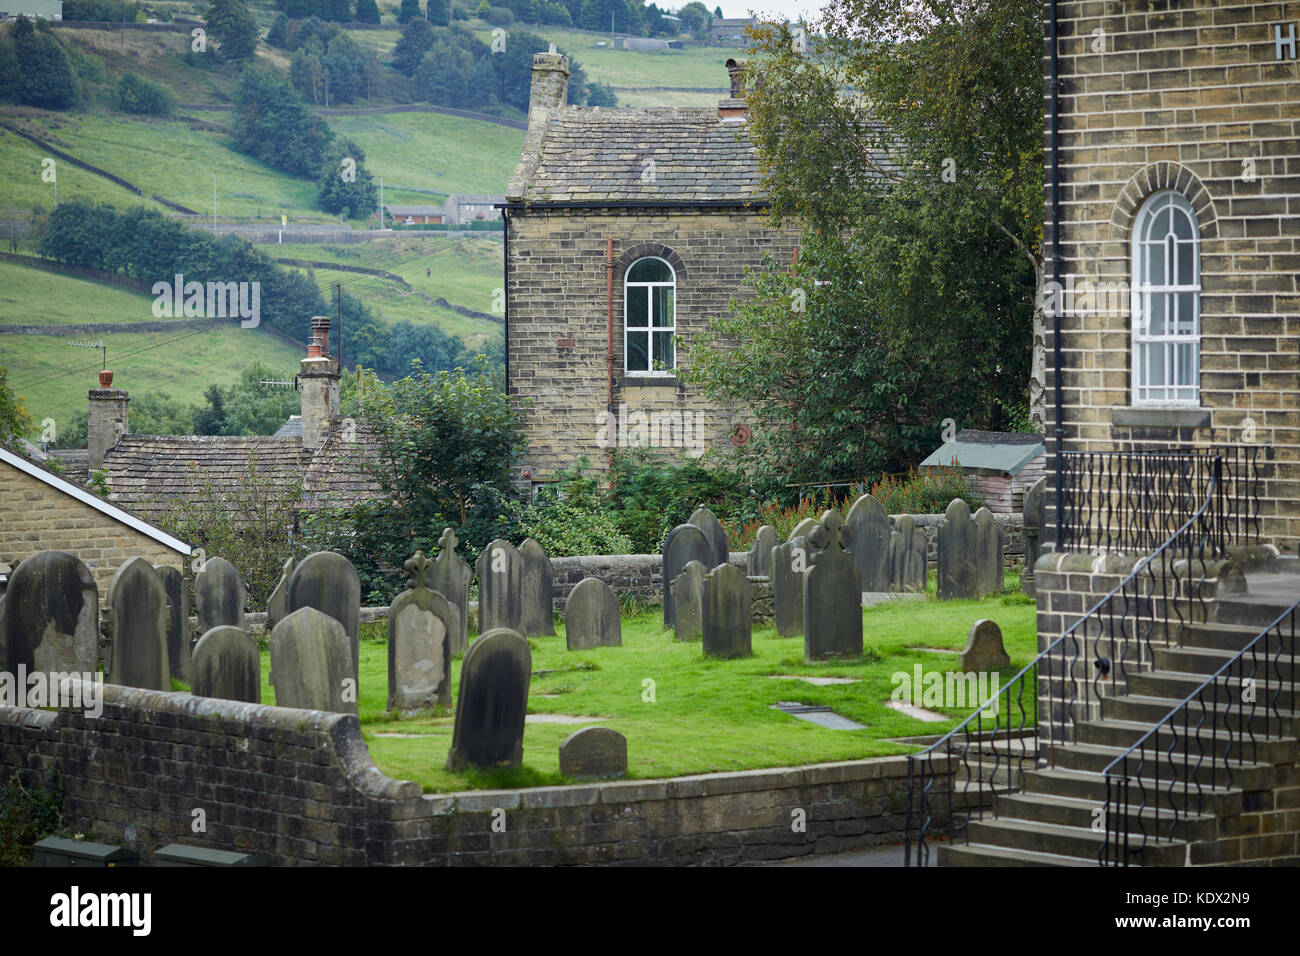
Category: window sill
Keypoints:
(1143, 416)
(648, 381)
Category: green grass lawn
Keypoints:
(707, 715)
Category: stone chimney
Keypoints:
(734, 106)
(320, 386)
(550, 89)
(106, 421)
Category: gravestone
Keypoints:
(760, 555)
(907, 554)
(832, 602)
(790, 562)
(984, 650)
(450, 576)
(688, 598)
(591, 617)
(327, 582)
(138, 618)
(277, 605)
(538, 591)
(685, 543)
(227, 665)
(500, 587)
(866, 538)
(803, 529)
(218, 595)
(1034, 506)
(420, 623)
(311, 663)
(969, 561)
(492, 703)
(725, 619)
(595, 752)
(719, 546)
(988, 553)
(178, 622)
(50, 620)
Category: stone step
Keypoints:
(1095, 758)
(1078, 784)
(1151, 710)
(1125, 733)
(1076, 812)
(976, 854)
(1081, 842)
(1207, 661)
(1266, 598)
(1179, 685)
(1231, 637)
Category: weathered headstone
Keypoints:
(688, 602)
(803, 529)
(538, 591)
(329, 583)
(138, 619)
(760, 555)
(1034, 506)
(832, 602)
(866, 538)
(450, 576)
(725, 619)
(685, 543)
(591, 617)
(790, 563)
(277, 605)
(420, 623)
(311, 663)
(969, 561)
(227, 665)
(500, 587)
(218, 595)
(719, 546)
(907, 553)
(984, 650)
(988, 554)
(595, 752)
(178, 621)
(51, 616)
(492, 703)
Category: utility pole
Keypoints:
(214, 204)
(382, 223)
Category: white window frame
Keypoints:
(1166, 393)
(650, 329)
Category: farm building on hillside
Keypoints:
(414, 215)
(1001, 465)
(627, 232)
(462, 210)
(32, 9)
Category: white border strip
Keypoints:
(96, 502)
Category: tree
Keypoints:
(367, 11)
(911, 152)
(438, 12)
(601, 94)
(345, 185)
(232, 26)
(694, 15)
(271, 123)
(15, 422)
(144, 97)
(717, 12)
(556, 14)
(46, 75)
(483, 10)
(275, 36)
(418, 37)
(340, 11)
(409, 10)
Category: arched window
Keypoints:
(1166, 258)
(649, 317)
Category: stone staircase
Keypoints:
(1049, 821)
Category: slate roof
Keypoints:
(292, 427)
(338, 475)
(982, 452)
(589, 154)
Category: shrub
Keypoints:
(501, 17)
(648, 497)
(29, 812)
(569, 518)
(925, 492)
(144, 97)
(741, 530)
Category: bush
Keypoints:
(925, 493)
(648, 498)
(569, 519)
(501, 17)
(29, 812)
(144, 97)
(741, 531)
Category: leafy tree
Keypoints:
(340, 11)
(15, 421)
(528, 11)
(138, 95)
(446, 76)
(717, 12)
(426, 344)
(230, 23)
(556, 14)
(484, 9)
(418, 37)
(46, 75)
(345, 185)
(272, 124)
(275, 36)
(409, 10)
(601, 94)
(501, 17)
(11, 77)
(694, 15)
(367, 11)
(438, 12)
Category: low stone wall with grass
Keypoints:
(298, 787)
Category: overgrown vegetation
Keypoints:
(31, 808)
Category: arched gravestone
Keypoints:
(866, 538)
(500, 587)
(688, 602)
(311, 663)
(832, 602)
(969, 553)
(218, 595)
(227, 665)
(907, 554)
(420, 623)
(50, 616)
(685, 543)
(760, 554)
(988, 554)
(790, 563)
(138, 612)
(450, 576)
(595, 752)
(1034, 506)
(591, 616)
(178, 622)
(719, 546)
(327, 582)
(277, 605)
(492, 702)
(803, 529)
(725, 620)
(538, 591)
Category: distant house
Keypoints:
(729, 32)
(414, 215)
(32, 9)
(646, 43)
(1001, 465)
(462, 210)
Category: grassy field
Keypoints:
(706, 715)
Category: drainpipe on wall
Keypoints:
(505, 331)
(1058, 392)
(609, 337)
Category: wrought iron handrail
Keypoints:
(1133, 604)
(1115, 849)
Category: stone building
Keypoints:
(627, 231)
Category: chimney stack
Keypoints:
(734, 106)
(106, 420)
(550, 85)
(320, 386)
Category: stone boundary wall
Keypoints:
(298, 787)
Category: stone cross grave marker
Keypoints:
(866, 538)
(327, 582)
(907, 553)
(178, 621)
(591, 616)
(594, 752)
(311, 663)
(688, 602)
(218, 595)
(50, 619)
(227, 665)
(138, 614)
(450, 576)
(719, 546)
(725, 621)
(420, 625)
(760, 555)
(832, 603)
(685, 543)
(492, 703)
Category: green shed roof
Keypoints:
(988, 453)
